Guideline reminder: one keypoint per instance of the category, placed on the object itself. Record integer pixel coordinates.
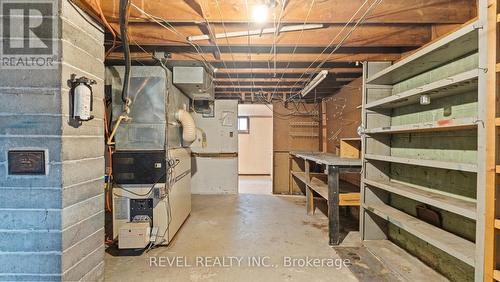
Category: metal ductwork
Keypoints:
(194, 81)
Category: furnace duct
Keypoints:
(188, 125)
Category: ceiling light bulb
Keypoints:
(259, 13)
(425, 99)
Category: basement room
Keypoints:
(249, 140)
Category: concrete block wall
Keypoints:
(82, 220)
(52, 226)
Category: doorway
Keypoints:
(255, 148)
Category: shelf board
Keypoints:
(326, 158)
(349, 193)
(440, 125)
(427, 196)
(497, 223)
(449, 48)
(496, 275)
(454, 245)
(427, 163)
(315, 184)
(460, 83)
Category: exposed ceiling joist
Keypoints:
(366, 35)
(263, 58)
(285, 63)
(326, 11)
(285, 75)
(290, 70)
(259, 80)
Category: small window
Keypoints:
(243, 125)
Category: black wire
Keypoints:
(141, 195)
(124, 7)
(171, 164)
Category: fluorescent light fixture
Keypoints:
(259, 14)
(287, 28)
(311, 85)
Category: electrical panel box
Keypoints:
(194, 82)
(134, 235)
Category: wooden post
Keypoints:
(290, 177)
(333, 205)
(309, 192)
(324, 132)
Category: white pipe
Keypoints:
(257, 32)
(188, 125)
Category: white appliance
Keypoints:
(168, 213)
(134, 235)
(148, 149)
(214, 165)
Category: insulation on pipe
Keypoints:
(188, 126)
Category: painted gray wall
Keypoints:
(52, 226)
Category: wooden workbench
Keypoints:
(328, 185)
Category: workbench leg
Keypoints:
(333, 205)
(309, 192)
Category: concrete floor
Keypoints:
(263, 226)
(255, 184)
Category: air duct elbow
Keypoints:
(188, 126)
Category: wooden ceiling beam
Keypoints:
(258, 86)
(280, 65)
(268, 49)
(266, 58)
(285, 75)
(256, 57)
(326, 11)
(236, 82)
(267, 88)
(290, 70)
(319, 93)
(366, 35)
(260, 80)
(273, 80)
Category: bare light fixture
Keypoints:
(315, 82)
(425, 99)
(259, 13)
